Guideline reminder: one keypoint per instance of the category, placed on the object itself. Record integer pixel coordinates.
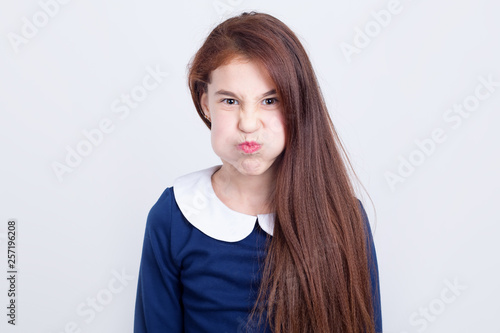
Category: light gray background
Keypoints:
(437, 228)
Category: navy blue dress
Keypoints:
(195, 277)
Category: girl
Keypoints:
(273, 239)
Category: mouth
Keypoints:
(249, 146)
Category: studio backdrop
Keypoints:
(96, 120)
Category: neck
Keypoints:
(248, 194)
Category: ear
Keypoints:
(204, 105)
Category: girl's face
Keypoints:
(248, 130)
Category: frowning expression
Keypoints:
(248, 129)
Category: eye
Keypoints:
(270, 101)
(229, 101)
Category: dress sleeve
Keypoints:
(374, 276)
(158, 305)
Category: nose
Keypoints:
(249, 119)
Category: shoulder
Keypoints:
(159, 215)
(364, 216)
(183, 199)
(362, 210)
(163, 232)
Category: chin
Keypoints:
(253, 167)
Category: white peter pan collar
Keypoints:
(200, 205)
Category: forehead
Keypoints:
(243, 74)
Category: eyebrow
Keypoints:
(228, 93)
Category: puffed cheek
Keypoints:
(276, 124)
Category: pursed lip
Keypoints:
(249, 146)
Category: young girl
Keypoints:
(273, 239)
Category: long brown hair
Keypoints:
(316, 274)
